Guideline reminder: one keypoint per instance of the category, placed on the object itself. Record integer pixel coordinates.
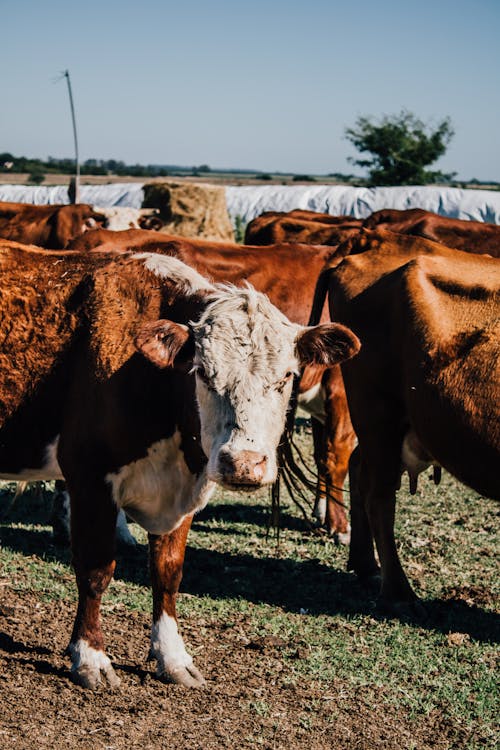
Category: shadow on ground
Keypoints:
(305, 586)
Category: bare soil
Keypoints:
(248, 701)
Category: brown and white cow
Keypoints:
(54, 227)
(424, 389)
(143, 385)
(287, 273)
(469, 236)
(120, 218)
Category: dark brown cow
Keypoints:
(425, 387)
(287, 274)
(300, 226)
(469, 236)
(47, 226)
(143, 385)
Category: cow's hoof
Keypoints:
(89, 677)
(341, 537)
(89, 665)
(188, 676)
(319, 512)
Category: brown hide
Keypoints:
(300, 226)
(70, 368)
(468, 236)
(287, 273)
(428, 318)
(51, 227)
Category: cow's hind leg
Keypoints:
(378, 480)
(333, 444)
(167, 647)
(331, 458)
(93, 523)
(319, 441)
(361, 551)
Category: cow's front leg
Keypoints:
(167, 647)
(93, 523)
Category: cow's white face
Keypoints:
(245, 358)
(243, 352)
(119, 218)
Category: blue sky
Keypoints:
(263, 85)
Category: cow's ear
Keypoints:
(327, 344)
(165, 343)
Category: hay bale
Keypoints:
(190, 210)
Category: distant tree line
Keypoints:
(16, 164)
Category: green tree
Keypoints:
(36, 176)
(402, 146)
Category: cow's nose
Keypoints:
(245, 468)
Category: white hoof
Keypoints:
(343, 538)
(190, 676)
(319, 512)
(88, 664)
(173, 661)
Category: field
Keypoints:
(296, 653)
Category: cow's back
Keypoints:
(430, 340)
(43, 296)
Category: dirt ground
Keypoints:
(42, 708)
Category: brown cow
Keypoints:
(300, 226)
(54, 227)
(47, 226)
(143, 385)
(425, 387)
(287, 274)
(469, 236)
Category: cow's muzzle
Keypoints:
(242, 470)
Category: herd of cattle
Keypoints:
(144, 369)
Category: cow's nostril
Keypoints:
(243, 468)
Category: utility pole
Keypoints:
(75, 198)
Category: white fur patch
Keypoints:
(49, 470)
(119, 218)
(171, 268)
(320, 509)
(246, 348)
(158, 491)
(312, 402)
(168, 647)
(84, 656)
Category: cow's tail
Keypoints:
(294, 471)
(319, 298)
(297, 475)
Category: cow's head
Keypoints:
(243, 353)
(120, 218)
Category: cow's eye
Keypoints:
(284, 380)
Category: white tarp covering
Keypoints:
(129, 194)
(250, 201)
